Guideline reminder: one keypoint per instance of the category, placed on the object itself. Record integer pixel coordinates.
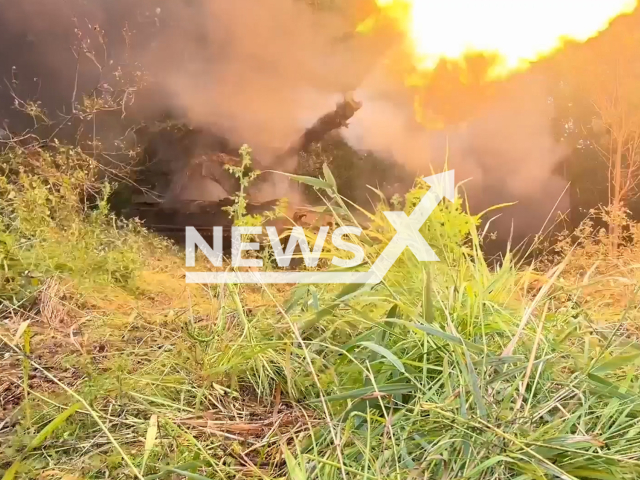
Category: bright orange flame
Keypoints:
(514, 33)
(460, 48)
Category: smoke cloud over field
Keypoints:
(258, 72)
(261, 72)
(506, 151)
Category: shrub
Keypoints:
(54, 220)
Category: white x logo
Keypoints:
(408, 227)
(408, 235)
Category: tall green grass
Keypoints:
(448, 370)
(457, 369)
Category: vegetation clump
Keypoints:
(113, 366)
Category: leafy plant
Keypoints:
(243, 172)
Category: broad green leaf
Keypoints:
(298, 294)
(475, 386)
(390, 389)
(428, 329)
(23, 326)
(575, 441)
(591, 473)
(488, 464)
(314, 182)
(182, 467)
(328, 176)
(189, 475)
(385, 353)
(52, 427)
(427, 298)
(41, 438)
(312, 319)
(499, 361)
(605, 387)
(296, 472)
(615, 363)
(393, 312)
(10, 474)
(359, 339)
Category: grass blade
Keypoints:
(182, 467)
(152, 432)
(190, 475)
(475, 386)
(11, 473)
(296, 471)
(390, 389)
(41, 438)
(615, 363)
(385, 353)
(52, 427)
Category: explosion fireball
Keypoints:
(459, 48)
(514, 33)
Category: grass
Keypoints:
(450, 370)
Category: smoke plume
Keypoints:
(261, 72)
(505, 152)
